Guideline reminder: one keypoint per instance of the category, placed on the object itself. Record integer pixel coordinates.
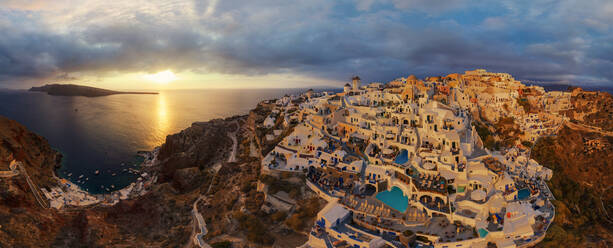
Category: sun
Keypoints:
(162, 77)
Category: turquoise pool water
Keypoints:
(394, 198)
(403, 157)
(523, 194)
(482, 232)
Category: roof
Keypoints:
(519, 226)
(347, 85)
(447, 174)
(335, 213)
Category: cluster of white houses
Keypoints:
(401, 165)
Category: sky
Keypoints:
(148, 44)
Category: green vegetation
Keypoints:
(255, 230)
(422, 239)
(486, 135)
(222, 244)
(275, 185)
(278, 216)
(505, 135)
(524, 103)
(307, 210)
(527, 144)
(577, 214)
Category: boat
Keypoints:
(97, 172)
(112, 186)
(113, 174)
(69, 174)
(81, 176)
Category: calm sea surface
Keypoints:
(104, 133)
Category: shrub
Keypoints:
(222, 244)
(278, 216)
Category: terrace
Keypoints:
(450, 232)
(337, 181)
(370, 206)
(436, 203)
(430, 183)
(494, 165)
(429, 165)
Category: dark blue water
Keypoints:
(102, 133)
(402, 158)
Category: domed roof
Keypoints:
(347, 85)
(412, 77)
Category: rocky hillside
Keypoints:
(161, 218)
(593, 108)
(23, 223)
(582, 163)
(581, 157)
(16, 142)
(216, 161)
(186, 155)
(79, 90)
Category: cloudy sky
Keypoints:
(280, 43)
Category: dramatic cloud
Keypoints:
(543, 40)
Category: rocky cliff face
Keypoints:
(161, 218)
(581, 183)
(592, 108)
(200, 146)
(16, 142)
(581, 157)
(23, 223)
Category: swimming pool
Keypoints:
(394, 198)
(482, 232)
(403, 157)
(523, 194)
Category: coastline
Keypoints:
(69, 194)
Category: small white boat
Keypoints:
(113, 174)
(69, 174)
(97, 172)
(81, 176)
(112, 186)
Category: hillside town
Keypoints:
(409, 163)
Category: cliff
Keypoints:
(16, 142)
(593, 108)
(581, 157)
(23, 222)
(79, 90)
(581, 184)
(192, 164)
(161, 218)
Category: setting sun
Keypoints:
(162, 77)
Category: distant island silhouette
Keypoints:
(80, 90)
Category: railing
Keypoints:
(41, 201)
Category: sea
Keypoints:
(105, 133)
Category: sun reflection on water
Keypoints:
(163, 121)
